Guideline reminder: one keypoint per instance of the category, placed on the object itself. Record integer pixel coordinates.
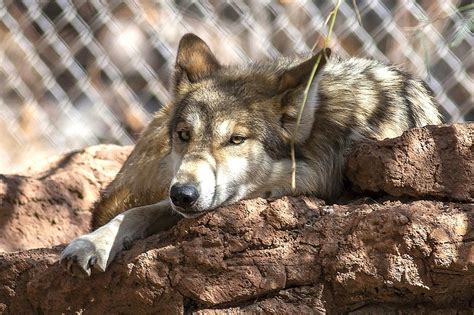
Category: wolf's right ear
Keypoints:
(194, 61)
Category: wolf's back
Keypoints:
(370, 99)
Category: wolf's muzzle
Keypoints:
(184, 196)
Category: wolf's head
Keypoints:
(231, 126)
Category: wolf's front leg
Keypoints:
(98, 249)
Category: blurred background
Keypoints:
(79, 73)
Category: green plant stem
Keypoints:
(331, 19)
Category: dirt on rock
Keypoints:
(290, 255)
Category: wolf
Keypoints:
(228, 134)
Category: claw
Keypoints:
(78, 257)
(70, 260)
(92, 261)
(127, 243)
(71, 265)
(80, 271)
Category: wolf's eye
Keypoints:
(237, 139)
(184, 135)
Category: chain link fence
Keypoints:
(78, 73)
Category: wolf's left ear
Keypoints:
(299, 75)
(291, 85)
(194, 61)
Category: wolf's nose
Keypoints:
(183, 196)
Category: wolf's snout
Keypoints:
(184, 196)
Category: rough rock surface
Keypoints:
(290, 255)
(49, 204)
(431, 161)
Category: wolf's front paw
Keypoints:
(81, 255)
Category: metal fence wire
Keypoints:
(78, 73)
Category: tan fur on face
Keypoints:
(222, 171)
